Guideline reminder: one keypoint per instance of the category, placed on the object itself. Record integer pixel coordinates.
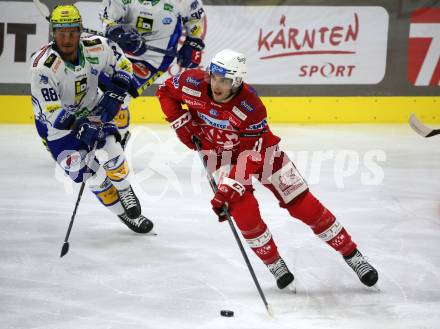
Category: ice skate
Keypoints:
(139, 225)
(281, 273)
(366, 273)
(130, 203)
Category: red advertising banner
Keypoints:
(424, 47)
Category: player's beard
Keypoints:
(68, 51)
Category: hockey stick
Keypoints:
(42, 8)
(65, 248)
(44, 11)
(231, 224)
(148, 47)
(420, 128)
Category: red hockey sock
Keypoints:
(309, 210)
(247, 215)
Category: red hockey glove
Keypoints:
(185, 128)
(229, 191)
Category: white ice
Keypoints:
(180, 279)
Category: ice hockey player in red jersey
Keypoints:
(229, 119)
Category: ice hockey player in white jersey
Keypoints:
(75, 117)
(137, 24)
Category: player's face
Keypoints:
(221, 88)
(67, 41)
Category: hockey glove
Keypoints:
(88, 133)
(190, 54)
(229, 191)
(186, 128)
(64, 120)
(113, 98)
(127, 37)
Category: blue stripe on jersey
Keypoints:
(220, 124)
(172, 44)
(36, 103)
(41, 121)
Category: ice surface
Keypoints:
(181, 279)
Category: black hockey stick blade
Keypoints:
(433, 133)
(421, 128)
(64, 249)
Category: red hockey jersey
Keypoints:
(238, 125)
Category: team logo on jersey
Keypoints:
(191, 92)
(193, 81)
(92, 42)
(80, 89)
(154, 2)
(50, 60)
(93, 71)
(213, 112)
(44, 79)
(246, 106)
(167, 20)
(144, 24)
(141, 70)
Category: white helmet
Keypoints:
(229, 64)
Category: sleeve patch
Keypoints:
(50, 60)
(91, 43)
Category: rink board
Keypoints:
(18, 109)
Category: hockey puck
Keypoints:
(227, 313)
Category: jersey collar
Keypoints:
(81, 60)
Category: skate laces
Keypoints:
(136, 222)
(359, 264)
(278, 268)
(128, 198)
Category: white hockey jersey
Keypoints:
(58, 85)
(160, 22)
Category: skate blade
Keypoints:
(292, 287)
